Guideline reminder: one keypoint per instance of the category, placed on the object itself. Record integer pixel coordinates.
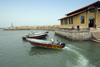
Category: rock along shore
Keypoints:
(45, 27)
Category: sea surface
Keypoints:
(15, 52)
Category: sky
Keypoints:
(37, 12)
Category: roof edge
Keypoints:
(82, 7)
(73, 14)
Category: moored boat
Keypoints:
(45, 44)
(36, 35)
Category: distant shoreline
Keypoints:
(45, 27)
(2, 28)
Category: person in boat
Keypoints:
(58, 43)
(52, 40)
(27, 35)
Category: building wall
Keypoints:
(87, 15)
(98, 18)
(76, 21)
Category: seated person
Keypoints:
(52, 40)
(58, 43)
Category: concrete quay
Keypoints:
(74, 35)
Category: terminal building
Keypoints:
(84, 17)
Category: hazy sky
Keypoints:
(37, 12)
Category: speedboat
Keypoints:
(46, 44)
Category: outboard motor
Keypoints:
(62, 45)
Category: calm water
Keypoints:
(14, 52)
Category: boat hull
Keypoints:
(35, 37)
(45, 45)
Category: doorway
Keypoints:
(91, 22)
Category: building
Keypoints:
(84, 17)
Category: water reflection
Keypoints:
(42, 51)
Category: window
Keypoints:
(61, 22)
(82, 19)
(65, 21)
(71, 20)
(92, 10)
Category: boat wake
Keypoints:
(72, 47)
(80, 60)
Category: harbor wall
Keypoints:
(75, 35)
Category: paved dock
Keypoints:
(95, 34)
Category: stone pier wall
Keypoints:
(75, 35)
